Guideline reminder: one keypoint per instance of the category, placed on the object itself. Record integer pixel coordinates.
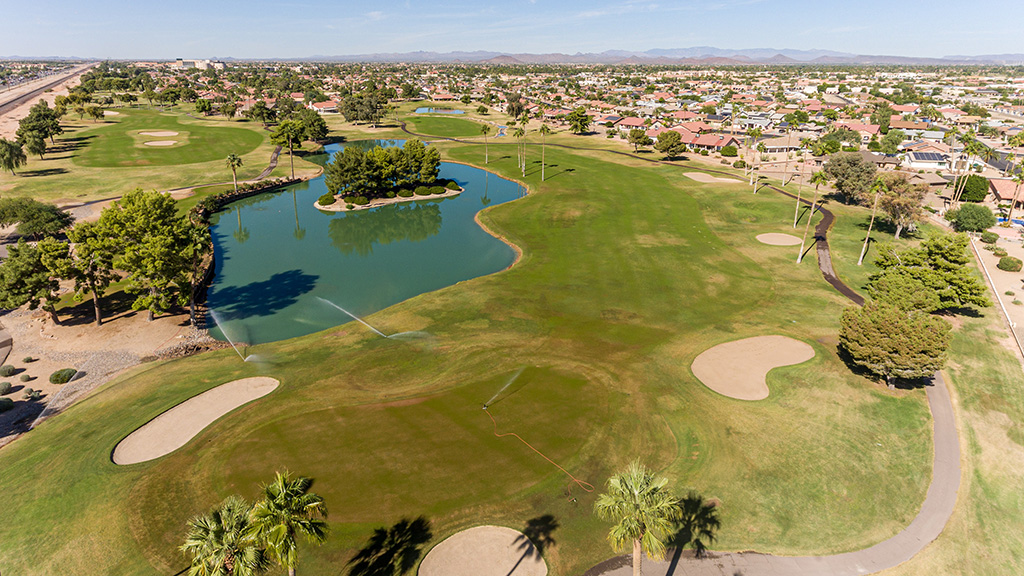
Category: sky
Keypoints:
(143, 29)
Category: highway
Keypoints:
(8, 104)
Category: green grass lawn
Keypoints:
(445, 126)
(629, 271)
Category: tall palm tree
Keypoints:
(544, 131)
(754, 134)
(1018, 178)
(234, 162)
(643, 511)
(520, 136)
(818, 178)
(761, 149)
(287, 510)
(799, 186)
(877, 188)
(485, 129)
(218, 543)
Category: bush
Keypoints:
(437, 190)
(999, 252)
(422, 191)
(739, 164)
(1017, 302)
(452, 185)
(1010, 293)
(704, 152)
(1010, 264)
(405, 193)
(5, 388)
(357, 200)
(350, 206)
(63, 376)
(390, 194)
(28, 359)
(327, 199)
(6, 404)
(975, 189)
(971, 218)
(24, 377)
(6, 370)
(730, 151)
(989, 237)
(32, 395)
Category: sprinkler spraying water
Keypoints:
(224, 331)
(505, 387)
(353, 316)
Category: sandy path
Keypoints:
(484, 551)
(709, 179)
(175, 427)
(775, 239)
(738, 369)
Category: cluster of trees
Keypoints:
(242, 539)
(306, 125)
(858, 181)
(368, 108)
(897, 335)
(140, 239)
(377, 172)
(579, 121)
(42, 123)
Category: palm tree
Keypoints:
(520, 136)
(762, 149)
(485, 129)
(643, 511)
(544, 131)
(1018, 178)
(218, 543)
(818, 178)
(877, 188)
(754, 134)
(11, 155)
(234, 162)
(289, 133)
(799, 186)
(288, 509)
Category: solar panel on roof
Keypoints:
(929, 156)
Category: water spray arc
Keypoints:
(223, 330)
(353, 316)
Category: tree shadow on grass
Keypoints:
(392, 551)
(262, 298)
(897, 383)
(559, 173)
(42, 172)
(536, 537)
(697, 527)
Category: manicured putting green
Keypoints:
(131, 140)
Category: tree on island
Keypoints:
(579, 121)
(380, 171)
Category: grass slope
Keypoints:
(446, 126)
(628, 272)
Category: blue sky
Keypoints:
(297, 28)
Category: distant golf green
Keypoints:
(121, 141)
(443, 126)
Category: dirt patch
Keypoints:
(775, 239)
(159, 133)
(709, 179)
(738, 369)
(175, 427)
(161, 143)
(484, 551)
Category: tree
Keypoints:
(973, 188)
(314, 127)
(482, 110)
(939, 264)
(289, 133)
(515, 107)
(25, 277)
(34, 143)
(890, 143)
(901, 200)
(34, 218)
(11, 155)
(638, 137)
(485, 129)
(901, 288)
(643, 511)
(228, 109)
(234, 162)
(1018, 179)
(520, 136)
(971, 218)
(729, 151)
(95, 112)
(261, 113)
(853, 175)
(893, 343)
(42, 120)
(544, 131)
(197, 245)
(818, 178)
(578, 120)
(877, 189)
(881, 116)
(149, 95)
(670, 144)
(287, 510)
(150, 238)
(92, 264)
(218, 543)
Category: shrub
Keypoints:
(390, 194)
(5, 388)
(1009, 292)
(1000, 252)
(405, 193)
(730, 151)
(704, 152)
(437, 190)
(6, 370)
(1010, 264)
(28, 359)
(971, 218)
(31, 394)
(452, 185)
(358, 200)
(989, 237)
(24, 377)
(974, 190)
(350, 206)
(739, 164)
(327, 199)
(1017, 302)
(63, 376)
(6, 404)
(422, 191)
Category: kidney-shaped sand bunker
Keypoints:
(738, 369)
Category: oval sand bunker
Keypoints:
(776, 239)
(160, 143)
(738, 369)
(709, 179)
(175, 427)
(484, 551)
(159, 133)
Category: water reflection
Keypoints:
(359, 231)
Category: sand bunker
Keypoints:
(160, 143)
(175, 427)
(111, 113)
(738, 369)
(484, 551)
(709, 179)
(775, 239)
(159, 133)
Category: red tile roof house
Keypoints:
(627, 124)
(1004, 189)
(866, 131)
(712, 141)
(328, 107)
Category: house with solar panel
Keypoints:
(926, 161)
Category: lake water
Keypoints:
(279, 258)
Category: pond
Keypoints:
(286, 269)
